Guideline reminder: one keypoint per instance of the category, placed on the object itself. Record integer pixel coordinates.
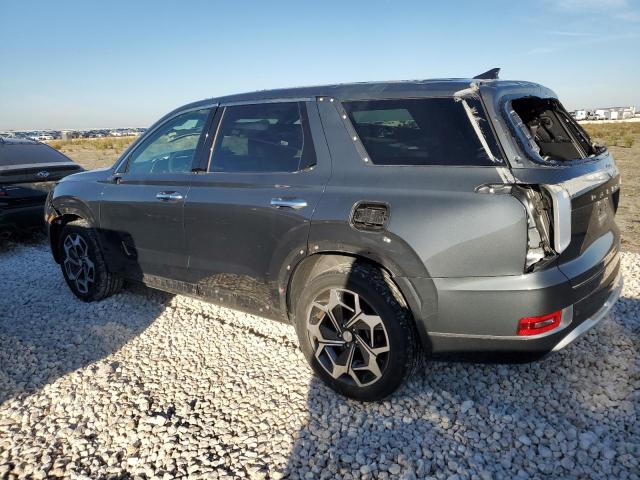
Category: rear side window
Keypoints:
(429, 131)
(268, 137)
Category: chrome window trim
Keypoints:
(134, 146)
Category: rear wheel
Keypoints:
(356, 331)
(83, 265)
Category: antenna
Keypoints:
(488, 75)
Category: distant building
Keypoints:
(69, 134)
(615, 113)
(580, 114)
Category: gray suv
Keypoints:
(383, 220)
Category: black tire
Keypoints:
(103, 283)
(380, 293)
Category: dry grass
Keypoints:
(623, 140)
(93, 153)
(623, 134)
(108, 143)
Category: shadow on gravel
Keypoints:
(46, 332)
(572, 414)
(11, 239)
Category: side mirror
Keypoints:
(115, 178)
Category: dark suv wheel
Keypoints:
(356, 332)
(83, 265)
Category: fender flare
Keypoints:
(290, 283)
(66, 207)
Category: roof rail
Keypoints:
(488, 75)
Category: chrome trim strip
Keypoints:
(295, 203)
(561, 216)
(474, 120)
(35, 165)
(578, 185)
(592, 321)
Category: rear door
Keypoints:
(248, 215)
(142, 210)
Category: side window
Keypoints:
(170, 148)
(428, 131)
(268, 137)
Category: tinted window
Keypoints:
(432, 131)
(270, 137)
(170, 148)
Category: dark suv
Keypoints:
(381, 219)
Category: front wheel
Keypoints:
(83, 265)
(356, 331)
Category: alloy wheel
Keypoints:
(77, 264)
(348, 337)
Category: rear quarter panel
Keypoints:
(438, 225)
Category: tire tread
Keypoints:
(109, 283)
(383, 286)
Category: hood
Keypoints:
(90, 175)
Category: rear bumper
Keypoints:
(593, 320)
(481, 314)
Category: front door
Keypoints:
(142, 210)
(248, 215)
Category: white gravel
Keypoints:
(148, 385)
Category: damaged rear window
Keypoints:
(428, 131)
(550, 130)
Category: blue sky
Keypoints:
(78, 64)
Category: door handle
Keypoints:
(171, 197)
(295, 203)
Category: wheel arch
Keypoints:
(66, 211)
(319, 262)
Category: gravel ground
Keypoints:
(150, 385)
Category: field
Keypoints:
(628, 159)
(93, 153)
(622, 138)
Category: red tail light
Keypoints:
(540, 324)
